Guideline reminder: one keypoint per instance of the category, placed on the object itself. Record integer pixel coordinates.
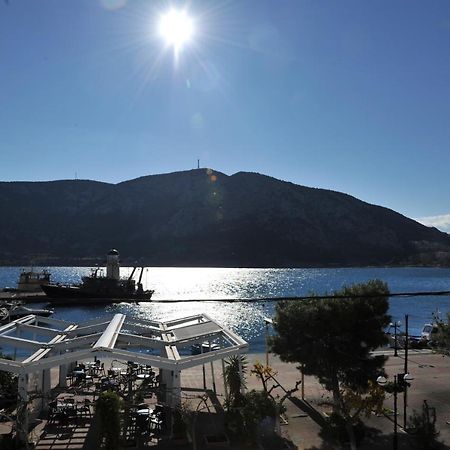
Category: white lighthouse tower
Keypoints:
(112, 264)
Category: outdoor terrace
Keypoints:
(64, 367)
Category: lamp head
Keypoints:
(408, 377)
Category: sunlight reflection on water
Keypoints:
(223, 283)
(243, 318)
(208, 283)
(247, 319)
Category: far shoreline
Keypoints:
(129, 263)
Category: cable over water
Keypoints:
(309, 297)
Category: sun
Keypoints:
(176, 28)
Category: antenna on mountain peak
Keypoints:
(198, 164)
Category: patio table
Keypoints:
(143, 376)
(78, 373)
(145, 412)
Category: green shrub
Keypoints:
(423, 427)
(8, 383)
(257, 406)
(338, 432)
(108, 412)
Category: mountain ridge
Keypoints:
(204, 217)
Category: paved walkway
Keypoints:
(431, 382)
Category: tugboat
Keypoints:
(31, 281)
(96, 288)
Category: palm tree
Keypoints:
(235, 370)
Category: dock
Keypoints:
(24, 297)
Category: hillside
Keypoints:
(206, 218)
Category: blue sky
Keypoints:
(348, 95)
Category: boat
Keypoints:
(3, 314)
(18, 311)
(31, 281)
(99, 288)
(12, 311)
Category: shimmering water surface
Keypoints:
(247, 319)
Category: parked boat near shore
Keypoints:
(31, 281)
(17, 311)
(96, 288)
(12, 311)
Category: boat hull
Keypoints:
(76, 295)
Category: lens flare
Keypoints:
(176, 28)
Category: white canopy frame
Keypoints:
(118, 338)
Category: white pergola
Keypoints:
(49, 343)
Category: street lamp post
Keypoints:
(400, 380)
(268, 322)
(395, 325)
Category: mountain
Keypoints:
(206, 218)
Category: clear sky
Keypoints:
(349, 95)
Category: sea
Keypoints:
(192, 285)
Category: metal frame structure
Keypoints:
(166, 345)
(116, 338)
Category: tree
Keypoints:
(441, 338)
(234, 366)
(333, 338)
(266, 375)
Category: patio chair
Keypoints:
(78, 378)
(143, 424)
(86, 407)
(71, 414)
(52, 412)
(158, 418)
(97, 369)
(69, 378)
(62, 417)
(88, 380)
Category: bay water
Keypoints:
(247, 319)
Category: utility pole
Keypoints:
(198, 164)
(395, 412)
(405, 391)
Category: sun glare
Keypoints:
(176, 28)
